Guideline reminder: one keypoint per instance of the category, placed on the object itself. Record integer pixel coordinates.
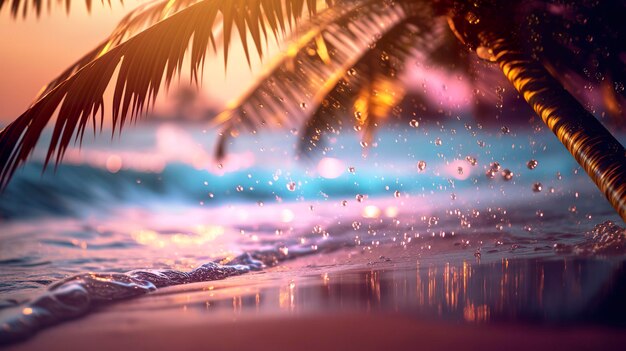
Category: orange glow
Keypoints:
(371, 211)
(55, 37)
(35, 50)
(114, 163)
(202, 235)
(391, 212)
(330, 167)
(473, 313)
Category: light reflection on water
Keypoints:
(562, 291)
(489, 249)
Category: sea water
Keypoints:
(453, 221)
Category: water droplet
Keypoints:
(344, 203)
(433, 221)
(303, 105)
(291, 186)
(459, 170)
(491, 173)
(438, 141)
(356, 225)
(359, 197)
(351, 170)
(507, 174)
(485, 53)
(494, 166)
(396, 193)
(352, 72)
(472, 18)
(472, 160)
(537, 187)
(239, 188)
(421, 166)
(414, 123)
(477, 254)
(363, 144)
(505, 130)
(532, 164)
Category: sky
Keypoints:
(34, 50)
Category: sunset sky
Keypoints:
(34, 50)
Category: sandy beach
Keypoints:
(180, 330)
(363, 303)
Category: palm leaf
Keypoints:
(354, 101)
(303, 75)
(582, 42)
(150, 13)
(137, 20)
(37, 6)
(144, 61)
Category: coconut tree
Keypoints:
(342, 65)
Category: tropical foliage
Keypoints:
(341, 64)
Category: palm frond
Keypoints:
(152, 12)
(37, 6)
(487, 83)
(377, 72)
(313, 65)
(144, 61)
(581, 41)
(135, 21)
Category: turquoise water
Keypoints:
(159, 203)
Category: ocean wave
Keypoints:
(77, 295)
(167, 164)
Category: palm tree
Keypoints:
(342, 65)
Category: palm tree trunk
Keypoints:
(592, 145)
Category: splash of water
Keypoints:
(76, 296)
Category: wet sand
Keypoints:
(368, 302)
(180, 331)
